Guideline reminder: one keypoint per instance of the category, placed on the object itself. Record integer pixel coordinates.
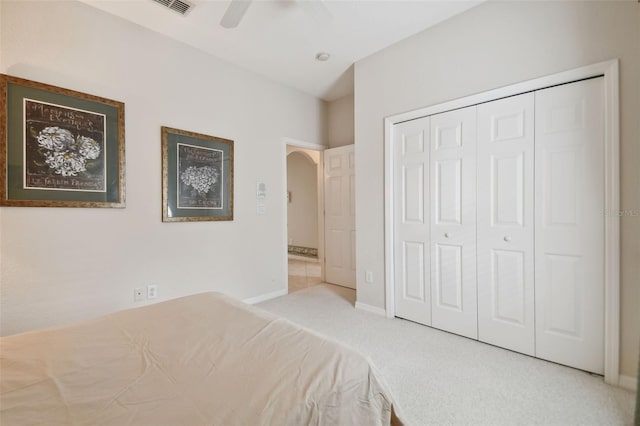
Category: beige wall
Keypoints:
(494, 45)
(341, 121)
(302, 208)
(61, 264)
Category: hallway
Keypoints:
(303, 274)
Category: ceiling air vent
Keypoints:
(182, 7)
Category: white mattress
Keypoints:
(201, 359)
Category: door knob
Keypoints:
(507, 238)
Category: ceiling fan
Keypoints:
(237, 8)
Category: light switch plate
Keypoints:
(261, 190)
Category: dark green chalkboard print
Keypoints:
(64, 148)
(200, 177)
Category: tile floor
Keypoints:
(303, 274)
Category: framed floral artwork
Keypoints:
(197, 177)
(59, 147)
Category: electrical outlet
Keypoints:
(368, 277)
(138, 294)
(152, 291)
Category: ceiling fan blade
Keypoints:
(317, 10)
(234, 13)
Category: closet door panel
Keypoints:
(448, 275)
(505, 223)
(508, 286)
(453, 229)
(411, 220)
(448, 191)
(569, 198)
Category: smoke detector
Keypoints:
(322, 56)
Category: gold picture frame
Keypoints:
(197, 177)
(59, 147)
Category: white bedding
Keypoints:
(204, 359)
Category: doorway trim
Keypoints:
(320, 182)
(610, 71)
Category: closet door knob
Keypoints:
(447, 235)
(507, 238)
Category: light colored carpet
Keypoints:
(442, 379)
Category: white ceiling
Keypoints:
(280, 38)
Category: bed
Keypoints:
(204, 359)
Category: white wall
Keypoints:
(62, 264)
(341, 121)
(302, 208)
(489, 46)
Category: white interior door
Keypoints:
(411, 220)
(453, 221)
(569, 245)
(505, 223)
(340, 233)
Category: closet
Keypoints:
(498, 222)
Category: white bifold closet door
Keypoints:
(499, 222)
(505, 223)
(569, 222)
(411, 220)
(453, 222)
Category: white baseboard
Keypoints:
(372, 309)
(268, 296)
(630, 383)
